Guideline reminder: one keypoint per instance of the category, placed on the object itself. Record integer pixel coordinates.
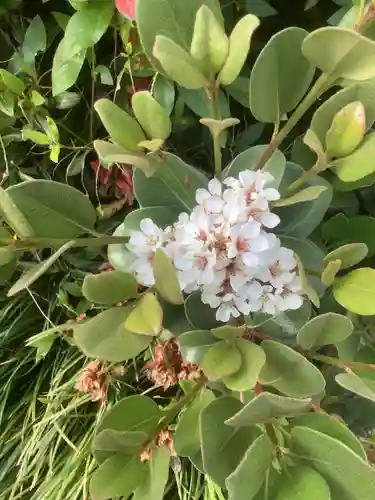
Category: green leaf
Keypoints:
(361, 386)
(12, 82)
(164, 92)
(109, 442)
(209, 45)
(116, 120)
(305, 283)
(178, 64)
(330, 272)
(327, 424)
(220, 360)
(147, 316)
(109, 287)
(356, 290)
(239, 90)
(265, 407)
(359, 164)
(302, 483)
(272, 92)
(239, 46)
(249, 159)
(260, 8)
(7, 103)
(307, 194)
(223, 446)
(153, 118)
(52, 209)
(35, 136)
(337, 463)
(349, 255)
(158, 472)
(247, 479)
(30, 276)
(341, 52)
(112, 153)
(166, 280)
(104, 74)
(198, 102)
(35, 39)
(186, 437)
(173, 185)
(195, 344)
(119, 475)
(228, 332)
(324, 115)
(131, 414)
(200, 316)
(339, 230)
(119, 256)
(173, 19)
(216, 127)
(301, 220)
(84, 29)
(290, 372)
(106, 338)
(310, 254)
(11, 214)
(325, 329)
(77, 165)
(252, 361)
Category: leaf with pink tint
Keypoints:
(126, 7)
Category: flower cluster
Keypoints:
(224, 250)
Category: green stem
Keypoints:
(34, 243)
(320, 86)
(215, 113)
(175, 410)
(355, 365)
(305, 177)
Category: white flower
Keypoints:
(148, 239)
(223, 250)
(211, 200)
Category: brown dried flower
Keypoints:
(167, 367)
(94, 380)
(164, 440)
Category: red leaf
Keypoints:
(126, 7)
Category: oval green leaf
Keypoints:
(109, 287)
(166, 280)
(220, 360)
(147, 316)
(356, 291)
(153, 118)
(349, 255)
(252, 361)
(325, 329)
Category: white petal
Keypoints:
(271, 194)
(247, 178)
(293, 301)
(270, 220)
(259, 244)
(250, 259)
(201, 195)
(223, 313)
(148, 227)
(214, 186)
(214, 204)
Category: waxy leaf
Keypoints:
(302, 483)
(147, 316)
(105, 337)
(252, 361)
(220, 360)
(359, 164)
(337, 463)
(158, 472)
(186, 437)
(209, 45)
(166, 280)
(266, 406)
(109, 287)
(195, 344)
(290, 372)
(173, 18)
(178, 64)
(239, 46)
(307, 194)
(272, 92)
(247, 479)
(362, 386)
(153, 118)
(223, 446)
(349, 255)
(356, 291)
(330, 272)
(341, 52)
(327, 424)
(325, 329)
(123, 129)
